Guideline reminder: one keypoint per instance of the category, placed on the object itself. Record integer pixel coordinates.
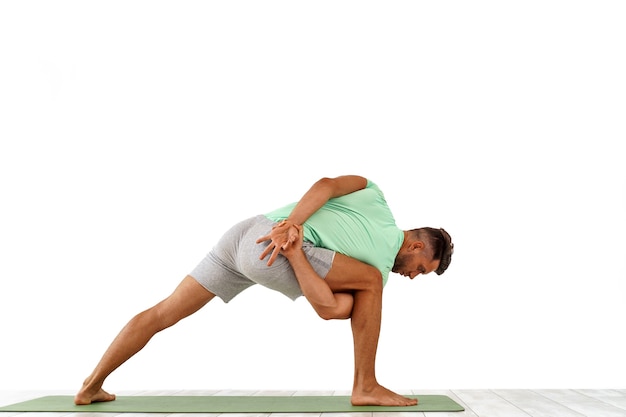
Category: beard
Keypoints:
(399, 263)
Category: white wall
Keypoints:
(133, 133)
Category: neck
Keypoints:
(405, 242)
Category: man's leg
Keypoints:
(188, 298)
(365, 284)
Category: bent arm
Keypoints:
(327, 304)
(323, 190)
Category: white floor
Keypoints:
(477, 403)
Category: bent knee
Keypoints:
(374, 279)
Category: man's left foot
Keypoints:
(83, 397)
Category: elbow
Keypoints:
(325, 184)
(341, 310)
(333, 314)
(325, 315)
(326, 312)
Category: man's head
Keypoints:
(424, 250)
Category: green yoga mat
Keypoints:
(226, 404)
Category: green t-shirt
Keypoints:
(359, 225)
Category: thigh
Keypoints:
(349, 274)
(219, 271)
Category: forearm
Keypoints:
(314, 288)
(327, 304)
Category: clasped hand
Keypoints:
(285, 237)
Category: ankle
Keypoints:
(365, 384)
(90, 384)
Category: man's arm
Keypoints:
(327, 305)
(323, 190)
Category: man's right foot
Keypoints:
(84, 397)
(380, 396)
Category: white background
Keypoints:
(134, 133)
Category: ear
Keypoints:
(417, 245)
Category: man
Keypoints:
(338, 245)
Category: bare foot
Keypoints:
(380, 396)
(84, 397)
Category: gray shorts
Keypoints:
(234, 265)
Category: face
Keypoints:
(414, 260)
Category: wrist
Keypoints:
(292, 222)
(295, 255)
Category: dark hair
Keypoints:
(441, 243)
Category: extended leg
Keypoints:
(188, 298)
(365, 283)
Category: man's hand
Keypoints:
(282, 236)
(294, 247)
